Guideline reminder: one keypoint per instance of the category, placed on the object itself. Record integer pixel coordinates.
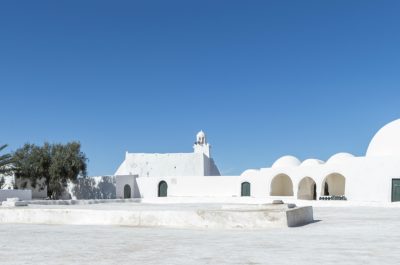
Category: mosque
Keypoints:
(373, 177)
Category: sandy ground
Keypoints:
(345, 235)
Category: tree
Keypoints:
(5, 162)
(67, 163)
(32, 163)
(55, 163)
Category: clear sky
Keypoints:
(261, 78)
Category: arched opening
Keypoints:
(245, 189)
(334, 185)
(162, 189)
(281, 185)
(127, 191)
(307, 189)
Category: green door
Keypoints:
(395, 190)
(127, 191)
(162, 189)
(245, 189)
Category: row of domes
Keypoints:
(292, 161)
(386, 142)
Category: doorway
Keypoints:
(162, 189)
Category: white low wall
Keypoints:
(24, 195)
(229, 216)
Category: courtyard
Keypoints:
(340, 235)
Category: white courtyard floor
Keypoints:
(345, 235)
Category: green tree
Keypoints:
(55, 163)
(67, 163)
(5, 162)
(32, 162)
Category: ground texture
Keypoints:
(345, 235)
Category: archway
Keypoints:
(281, 185)
(334, 185)
(162, 189)
(307, 189)
(245, 189)
(127, 191)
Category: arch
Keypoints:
(307, 189)
(127, 191)
(281, 185)
(162, 189)
(334, 185)
(245, 189)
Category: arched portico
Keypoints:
(281, 185)
(127, 191)
(307, 189)
(334, 185)
(162, 189)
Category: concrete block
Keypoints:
(299, 216)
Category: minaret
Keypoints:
(201, 145)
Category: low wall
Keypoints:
(80, 202)
(152, 215)
(21, 194)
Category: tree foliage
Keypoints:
(55, 163)
(5, 162)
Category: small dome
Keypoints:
(386, 141)
(339, 157)
(286, 161)
(311, 162)
(250, 172)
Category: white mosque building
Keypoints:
(373, 177)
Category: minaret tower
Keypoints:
(201, 145)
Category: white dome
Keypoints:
(386, 141)
(339, 157)
(286, 161)
(311, 162)
(250, 172)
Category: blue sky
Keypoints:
(261, 78)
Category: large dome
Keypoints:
(286, 161)
(386, 141)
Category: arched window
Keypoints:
(162, 189)
(245, 189)
(127, 191)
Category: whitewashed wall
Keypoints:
(21, 194)
(151, 165)
(95, 187)
(366, 179)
